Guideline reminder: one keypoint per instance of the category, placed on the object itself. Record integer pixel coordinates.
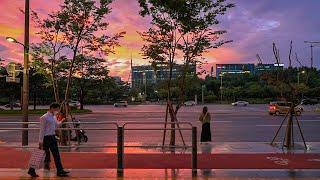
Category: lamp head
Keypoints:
(11, 39)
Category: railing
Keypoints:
(120, 137)
(69, 128)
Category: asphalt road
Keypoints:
(229, 124)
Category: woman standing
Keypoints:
(205, 120)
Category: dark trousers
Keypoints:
(205, 133)
(50, 144)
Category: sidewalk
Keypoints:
(166, 174)
(222, 160)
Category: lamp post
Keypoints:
(221, 87)
(202, 93)
(145, 85)
(25, 89)
(25, 96)
(302, 72)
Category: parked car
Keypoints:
(309, 101)
(240, 103)
(121, 104)
(74, 104)
(15, 105)
(283, 107)
(190, 103)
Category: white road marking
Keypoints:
(271, 125)
(222, 121)
(7, 131)
(309, 120)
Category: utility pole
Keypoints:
(312, 44)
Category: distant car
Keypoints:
(15, 105)
(121, 104)
(190, 103)
(240, 103)
(74, 104)
(309, 102)
(282, 107)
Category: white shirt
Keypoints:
(48, 125)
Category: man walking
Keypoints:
(48, 141)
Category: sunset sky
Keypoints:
(253, 25)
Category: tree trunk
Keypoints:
(54, 83)
(67, 93)
(81, 99)
(173, 132)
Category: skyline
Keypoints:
(252, 26)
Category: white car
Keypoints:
(121, 104)
(189, 103)
(74, 104)
(240, 103)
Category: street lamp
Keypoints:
(13, 40)
(25, 96)
(221, 87)
(302, 72)
(202, 92)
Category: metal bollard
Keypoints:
(120, 151)
(194, 151)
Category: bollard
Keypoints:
(120, 151)
(194, 151)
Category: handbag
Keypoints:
(37, 158)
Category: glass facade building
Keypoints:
(152, 75)
(245, 68)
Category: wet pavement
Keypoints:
(235, 130)
(168, 174)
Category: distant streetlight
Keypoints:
(202, 90)
(302, 72)
(221, 87)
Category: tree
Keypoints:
(88, 70)
(52, 44)
(181, 28)
(83, 21)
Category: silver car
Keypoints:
(121, 104)
(190, 103)
(240, 103)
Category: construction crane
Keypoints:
(312, 44)
(259, 59)
(297, 59)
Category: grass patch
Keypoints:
(40, 111)
(318, 110)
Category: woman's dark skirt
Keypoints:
(205, 133)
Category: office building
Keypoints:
(141, 75)
(234, 69)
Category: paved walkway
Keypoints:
(218, 161)
(167, 174)
(11, 158)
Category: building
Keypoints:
(245, 68)
(234, 69)
(141, 75)
(267, 67)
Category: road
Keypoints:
(229, 124)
